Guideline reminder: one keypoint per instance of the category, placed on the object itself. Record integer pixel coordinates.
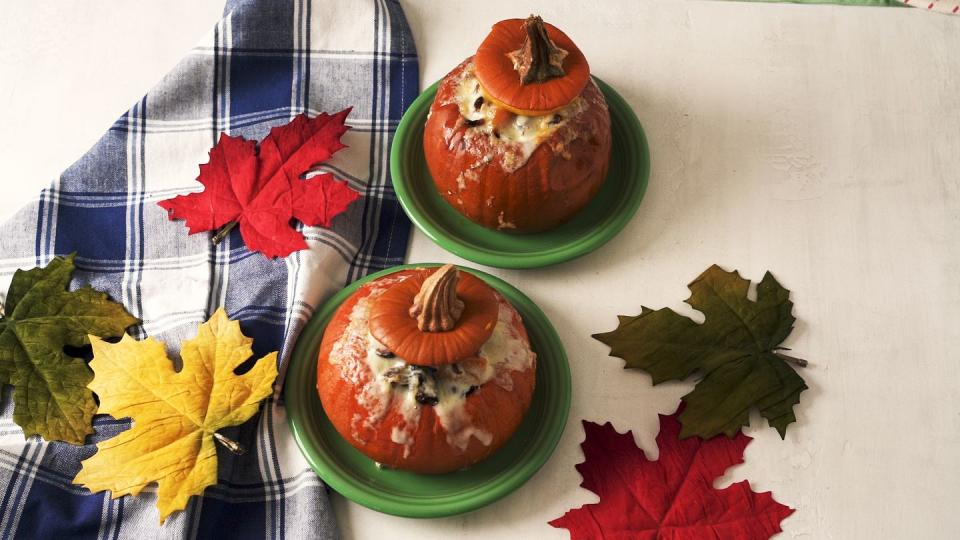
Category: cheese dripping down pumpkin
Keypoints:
(426, 369)
(518, 136)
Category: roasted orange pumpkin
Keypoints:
(518, 136)
(407, 414)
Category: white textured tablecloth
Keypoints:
(819, 142)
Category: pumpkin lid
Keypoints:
(434, 319)
(530, 67)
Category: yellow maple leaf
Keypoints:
(175, 415)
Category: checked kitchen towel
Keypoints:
(264, 62)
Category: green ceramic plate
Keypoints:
(415, 495)
(596, 224)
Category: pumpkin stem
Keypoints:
(539, 59)
(436, 307)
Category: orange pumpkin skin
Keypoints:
(476, 175)
(491, 408)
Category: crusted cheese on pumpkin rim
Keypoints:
(516, 135)
(386, 380)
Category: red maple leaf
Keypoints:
(672, 498)
(261, 191)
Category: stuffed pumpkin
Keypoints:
(518, 136)
(426, 369)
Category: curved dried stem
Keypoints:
(538, 59)
(436, 307)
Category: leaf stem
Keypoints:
(223, 232)
(799, 362)
(230, 444)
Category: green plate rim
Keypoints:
(300, 387)
(410, 125)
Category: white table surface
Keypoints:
(820, 142)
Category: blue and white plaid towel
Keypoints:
(265, 62)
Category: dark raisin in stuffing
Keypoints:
(384, 352)
(473, 123)
(426, 399)
(556, 119)
(397, 376)
(422, 379)
(478, 103)
(496, 133)
(470, 390)
(456, 369)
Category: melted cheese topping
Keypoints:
(518, 135)
(356, 356)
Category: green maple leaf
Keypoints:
(41, 317)
(735, 351)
